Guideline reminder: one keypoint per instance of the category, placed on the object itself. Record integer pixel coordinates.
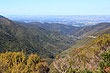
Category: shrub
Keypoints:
(18, 62)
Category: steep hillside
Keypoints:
(105, 31)
(61, 28)
(78, 44)
(85, 40)
(86, 57)
(31, 38)
(85, 31)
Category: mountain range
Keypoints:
(15, 36)
(73, 49)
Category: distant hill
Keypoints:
(15, 36)
(85, 31)
(61, 28)
(73, 30)
(105, 31)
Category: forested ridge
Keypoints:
(34, 48)
(15, 36)
(92, 57)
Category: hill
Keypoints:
(32, 39)
(71, 30)
(87, 57)
(78, 44)
(61, 28)
(85, 40)
(85, 31)
(105, 31)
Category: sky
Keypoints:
(55, 7)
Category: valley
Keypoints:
(55, 47)
(54, 36)
(32, 39)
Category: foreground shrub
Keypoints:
(105, 63)
(18, 62)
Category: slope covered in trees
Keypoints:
(88, 55)
(88, 30)
(61, 28)
(86, 39)
(15, 36)
(73, 30)
(105, 31)
(91, 57)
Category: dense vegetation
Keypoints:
(18, 62)
(61, 28)
(86, 39)
(15, 36)
(88, 30)
(71, 30)
(91, 57)
(105, 63)
(90, 52)
(105, 31)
